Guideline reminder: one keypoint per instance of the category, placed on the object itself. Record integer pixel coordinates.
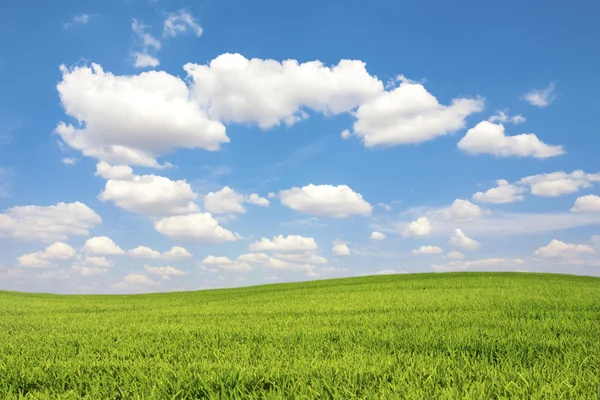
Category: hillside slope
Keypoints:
(431, 336)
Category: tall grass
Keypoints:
(422, 336)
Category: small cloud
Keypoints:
(503, 117)
(541, 97)
(69, 160)
(143, 60)
(79, 19)
(181, 22)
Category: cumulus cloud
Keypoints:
(428, 250)
(454, 255)
(123, 119)
(462, 211)
(118, 172)
(559, 249)
(165, 271)
(57, 251)
(227, 264)
(503, 193)
(306, 257)
(489, 138)
(410, 114)
(589, 203)
(419, 227)
(541, 97)
(144, 252)
(48, 223)
(228, 200)
(325, 200)
(135, 280)
(268, 92)
(181, 22)
(102, 246)
(177, 253)
(503, 117)
(151, 195)
(488, 263)
(199, 227)
(144, 60)
(559, 183)
(459, 239)
(254, 258)
(341, 249)
(288, 244)
(378, 236)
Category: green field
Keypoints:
(420, 336)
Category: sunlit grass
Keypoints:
(422, 336)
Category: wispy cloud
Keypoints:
(79, 19)
(6, 175)
(541, 97)
(148, 43)
(181, 22)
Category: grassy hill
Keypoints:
(421, 336)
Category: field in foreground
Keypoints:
(422, 336)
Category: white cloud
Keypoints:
(146, 39)
(541, 97)
(117, 172)
(559, 183)
(101, 262)
(346, 134)
(254, 258)
(227, 264)
(325, 200)
(334, 269)
(123, 119)
(101, 245)
(144, 252)
(501, 194)
(462, 211)
(589, 203)
(386, 207)
(503, 117)
(389, 272)
(144, 60)
(69, 160)
(151, 195)
(307, 257)
(481, 264)
(410, 114)
(559, 249)
(268, 92)
(277, 264)
(181, 22)
(378, 236)
(454, 255)
(489, 138)
(200, 227)
(78, 19)
(341, 249)
(419, 227)
(428, 250)
(459, 239)
(257, 200)
(48, 223)
(58, 251)
(139, 279)
(165, 271)
(176, 253)
(288, 244)
(88, 271)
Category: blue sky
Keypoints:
(365, 134)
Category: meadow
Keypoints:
(417, 336)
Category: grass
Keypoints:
(421, 336)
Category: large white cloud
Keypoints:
(101, 246)
(57, 251)
(228, 200)
(589, 203)
(410, 114)
(132, 119)
(287, 244)
(268, 92)
(489, 138)
(325, 200)
(459, 239)
(559, 183)
(560, 249)
(502, 193)
(48, 223)
(419, 227)
(151, 195)
(199, 227)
